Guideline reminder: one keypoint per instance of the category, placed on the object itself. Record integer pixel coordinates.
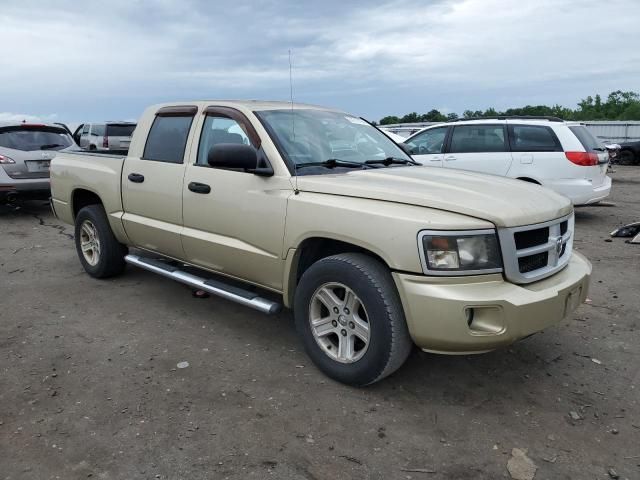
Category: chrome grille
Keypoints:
(533, 252)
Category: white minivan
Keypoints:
(563, 156)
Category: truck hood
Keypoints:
(502, 201)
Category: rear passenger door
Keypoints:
(478, 148)
(535, 150)
(427, 147)
(152, 183)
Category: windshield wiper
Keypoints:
(333, 163)
(599, 149)
(392, 161)
(50, 145)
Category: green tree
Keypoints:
(388, 120)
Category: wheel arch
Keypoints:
(81, 197)
(529, 179)
(314, 248)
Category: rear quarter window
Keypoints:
(588, 141)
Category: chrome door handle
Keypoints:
(450, 158)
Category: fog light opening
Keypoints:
(469, 313)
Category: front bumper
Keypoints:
(437, 309)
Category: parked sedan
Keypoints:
(26, 150)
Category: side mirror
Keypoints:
(237, 156)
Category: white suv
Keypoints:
(563, 156)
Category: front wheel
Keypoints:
(350, 319)
(100, 253)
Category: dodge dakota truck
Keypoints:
(273, 204)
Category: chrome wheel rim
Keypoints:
(339, 322)
(90, 243)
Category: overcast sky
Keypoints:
(88, 61)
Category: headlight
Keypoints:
(459, 252)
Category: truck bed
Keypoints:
(88, 172)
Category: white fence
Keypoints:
(607, 131)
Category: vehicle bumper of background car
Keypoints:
(24, 189)
(581, 191)
(436, 308)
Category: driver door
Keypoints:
(427, 147)
(233, 220)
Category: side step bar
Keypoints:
(215, 287)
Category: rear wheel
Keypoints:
(350, 319)
(100, 253)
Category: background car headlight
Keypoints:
(463, 252)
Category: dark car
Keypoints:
(629, 153)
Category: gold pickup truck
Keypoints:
(270, 204)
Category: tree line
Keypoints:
(618, 105)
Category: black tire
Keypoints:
(110, 259)
(92, 147)
(389, 343)
(626, 157)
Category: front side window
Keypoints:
(219, 130)
(429, 141)
(533, 138)
(308, 136)
(477, 138)
(167, 139)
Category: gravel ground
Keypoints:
(89, 384)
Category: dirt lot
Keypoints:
(89, 386)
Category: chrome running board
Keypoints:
(212, 286)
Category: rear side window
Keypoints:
(97, 129)
(115, 130)
(477, 138)
(533, 138)
(168, 138)
(85, 128)
(27, 138)
(588, 141)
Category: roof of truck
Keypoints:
(248, 104)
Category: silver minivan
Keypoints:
(107, 136)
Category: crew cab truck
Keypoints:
(275, 204)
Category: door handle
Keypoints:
(434, 159)
(136, 177)
(199, 187)
(450, 158)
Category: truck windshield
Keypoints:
(34, 137)
(307, 136)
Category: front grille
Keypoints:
(531, 238)
(533, 252)
(533, 262)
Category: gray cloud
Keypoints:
(93, 61)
